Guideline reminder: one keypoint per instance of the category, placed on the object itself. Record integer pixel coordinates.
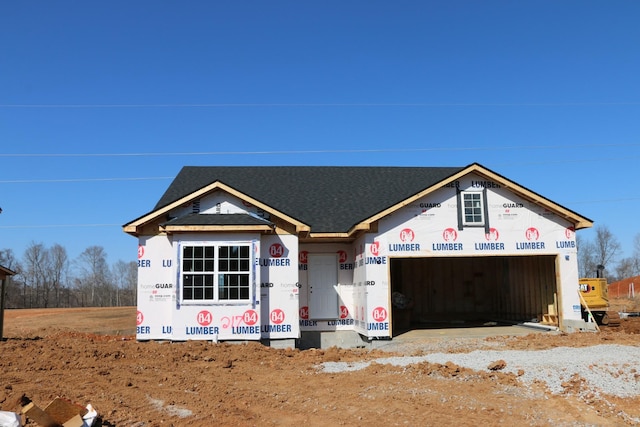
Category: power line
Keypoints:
(328, 151)
(32, 181)
(157, 178)
(627, 199)
(59, 226)
(331, 104)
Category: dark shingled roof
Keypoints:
(327, 198)
(218, 219)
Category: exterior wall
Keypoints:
(280, 308)
(361, 306)
(272, 312)
(429, 228)
(156, 288)
(279, 287)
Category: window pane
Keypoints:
(244, 251)
(473, 208)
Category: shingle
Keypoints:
(327, 198)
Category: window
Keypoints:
(216, 273)
(233, 276)
(473, 208)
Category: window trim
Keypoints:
(481, 207)
(217, 274)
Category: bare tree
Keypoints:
(59, 269)
(125, 278)
(36, 286)
(607, 247)
(636, 252)
(94, 276)
(587, 263)
(8, 259)
(44, 278)
(627, 267)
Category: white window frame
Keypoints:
(473, 215)
(206, 275)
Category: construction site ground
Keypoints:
(90, 355)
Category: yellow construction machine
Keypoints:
(594, 298)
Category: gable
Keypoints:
(334, 200)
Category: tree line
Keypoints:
(47, 278)
(603, 255)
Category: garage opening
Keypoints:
(472, 291)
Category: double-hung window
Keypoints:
(216, 272)
(473, 213)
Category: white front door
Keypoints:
(323, 286)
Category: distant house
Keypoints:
(5, 273)
(319, 254)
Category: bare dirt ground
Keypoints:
(91, 356)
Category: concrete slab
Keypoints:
(475, 332)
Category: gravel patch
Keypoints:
(611, 369)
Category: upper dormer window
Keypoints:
(473, 208)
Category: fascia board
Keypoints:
(192, 228)
(329, 235)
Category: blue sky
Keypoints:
(102, 103)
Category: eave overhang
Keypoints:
(227, 228)
(578, 220)
(135, 226)
(4, 272)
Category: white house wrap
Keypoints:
(277, 253)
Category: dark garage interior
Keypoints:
(441, 292)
